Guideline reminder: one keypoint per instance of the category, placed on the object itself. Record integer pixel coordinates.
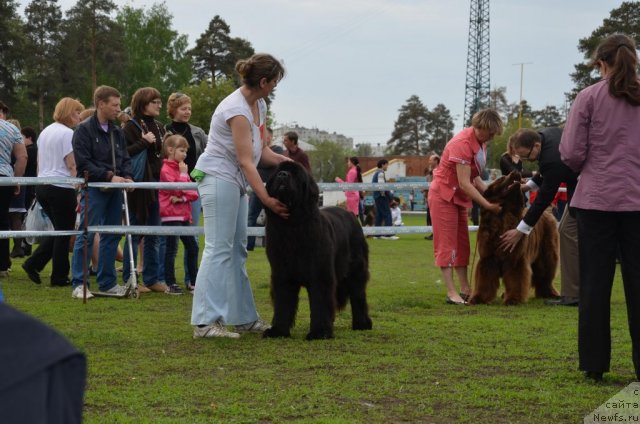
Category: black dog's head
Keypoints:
(506, 192)
(292, 185)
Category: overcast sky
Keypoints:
(351, 64)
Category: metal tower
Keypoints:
(478, 81)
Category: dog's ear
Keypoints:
(311, 189)
(493, 192)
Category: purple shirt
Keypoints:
(601, 141)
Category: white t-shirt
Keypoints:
(396, 216)
(219, 157)
(54, 144)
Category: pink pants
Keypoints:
(450, 232)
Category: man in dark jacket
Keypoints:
(100, 149)
(543, 146)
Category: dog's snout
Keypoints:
(282, 174)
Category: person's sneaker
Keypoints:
(390, 237)
(213, 330)
(257, 326)
(174, 289)
(77, 293)
(115, 291)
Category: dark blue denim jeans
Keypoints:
(105, 208)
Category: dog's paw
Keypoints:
(274, 332)
(475, 300)
(319, 334)
(362, 325)
(511, 302)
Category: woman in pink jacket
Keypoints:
(175, 209)
(601, 141)
(354, 175)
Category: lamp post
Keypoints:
(521, 80)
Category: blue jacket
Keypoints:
(375, 179)
(92, 151)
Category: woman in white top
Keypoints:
(55, 159)
(223, 294)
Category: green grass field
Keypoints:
(425, 361)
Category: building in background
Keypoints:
(307, 134)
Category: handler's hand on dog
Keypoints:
(278, 207)
(495, 208)
(510, 239)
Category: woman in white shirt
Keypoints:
(55, 159)
(235, 145)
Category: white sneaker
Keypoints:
(77, 293)
(213, 330)
(115, 291)
(390, 237)
(257, 326)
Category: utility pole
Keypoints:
(521, 80)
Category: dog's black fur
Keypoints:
(322, 249)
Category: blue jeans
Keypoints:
(383, 212)
(223, 292)
(255, 207)
(150, 269)
(190, 247)
(162, 244)
(105, 208)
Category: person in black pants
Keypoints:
(56, 159)
(600, 141)
(11, 143)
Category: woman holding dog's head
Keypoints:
(456, 183)
(601, 142)
(235, 145)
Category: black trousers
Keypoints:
(599, 235)
(6, 193)
(60, 206)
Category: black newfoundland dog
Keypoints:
(322, 249)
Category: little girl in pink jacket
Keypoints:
(175, 209)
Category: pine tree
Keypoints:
(624, 19)
(12, 50)
(212, 50)
(440, 128)
(42, 77)
(411, 130)
(92, 48)
(216, 53)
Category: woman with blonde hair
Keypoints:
(56, 159)
(179, 111)
(456, 182)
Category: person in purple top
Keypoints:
(601, 141)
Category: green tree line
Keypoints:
(48, 54)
